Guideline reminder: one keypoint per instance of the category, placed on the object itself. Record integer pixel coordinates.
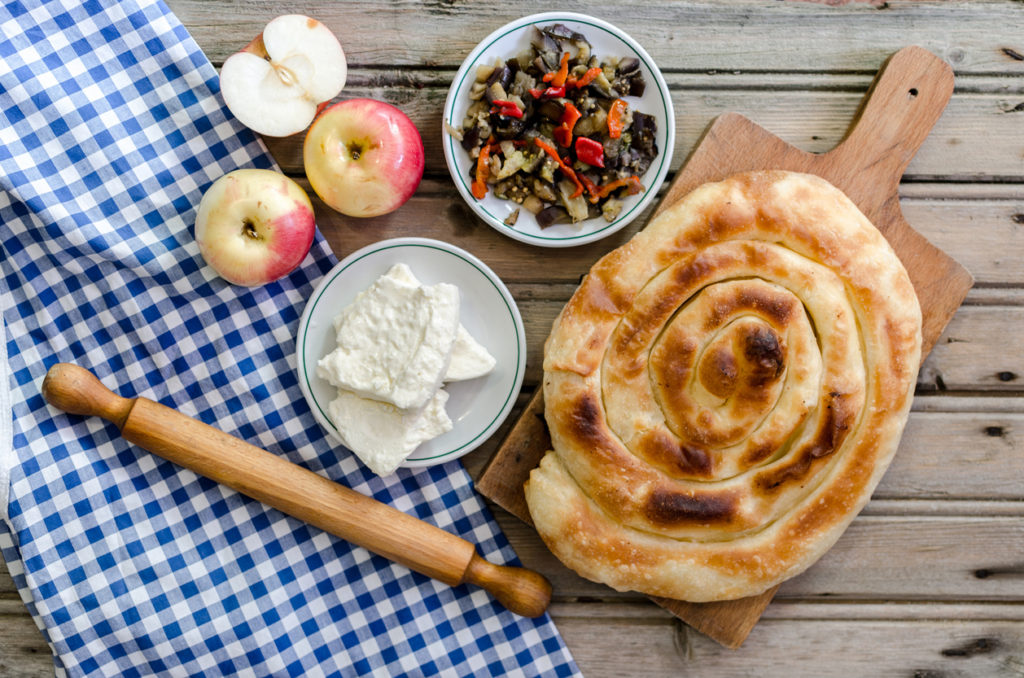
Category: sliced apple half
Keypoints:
(275, 85)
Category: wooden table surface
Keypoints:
(929, 580)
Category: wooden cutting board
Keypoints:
(904, 102)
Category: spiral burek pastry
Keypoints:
(725, 390)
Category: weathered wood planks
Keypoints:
(692, 36)
(982, 225)
(980, 135)
(799, 69)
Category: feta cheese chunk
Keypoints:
(395, 340)
(469, 359)
(382, 435)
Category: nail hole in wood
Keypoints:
(912, 93)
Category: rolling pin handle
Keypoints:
(522, 591)
(76, 390)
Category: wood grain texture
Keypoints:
(814, 119)
(902, 105)
(980, 226)
(23, 652)
(708, 35)
(909, 557)
(800, 70)
(836, 648)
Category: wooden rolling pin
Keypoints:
(296, 491)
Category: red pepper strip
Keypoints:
(632, 182)
(483, 169)
(549, 93)
(562, 165)
(589, 151)
(509, 108)
(557, 78)
(592, 188)
(563, 133)
(584, 79)
(615, 118)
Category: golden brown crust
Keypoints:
(725, 390)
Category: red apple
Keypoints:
(254, 226)
(276, 84)
(363, 157)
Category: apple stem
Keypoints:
(249, 229)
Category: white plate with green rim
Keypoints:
(477, 407)
(606, 41)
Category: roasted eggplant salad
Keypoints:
(550, 130)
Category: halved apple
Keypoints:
(276, 84)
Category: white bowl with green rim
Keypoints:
(477, 407)
(606, 41)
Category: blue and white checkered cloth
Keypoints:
(110, 131)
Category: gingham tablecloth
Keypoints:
(110, 130)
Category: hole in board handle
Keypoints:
(912, 93)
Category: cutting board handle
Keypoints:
(904, 103)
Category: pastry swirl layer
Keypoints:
(725, 390)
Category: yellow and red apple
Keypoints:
(254, 226)
(363, 157)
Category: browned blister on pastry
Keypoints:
(725, 390)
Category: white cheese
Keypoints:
(469, 359)
(395, 340)
(382, 435)
(396, 343)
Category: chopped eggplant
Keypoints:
(522, 84)
(508, 127)
(476, 90)
(495, 90)
(637, 86)
(502, 75)
(557, 89)
(628, 66)
(470, 137)
(544, 190)
(513, 163)
(575, 205)
(561, 31)
(551, 109)
(483, 72)
(533, 204)
(592, 124)
(542, 41)
(551, 216)
(547, 170)
(604, 88)
(611, 209)
(564, 34)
